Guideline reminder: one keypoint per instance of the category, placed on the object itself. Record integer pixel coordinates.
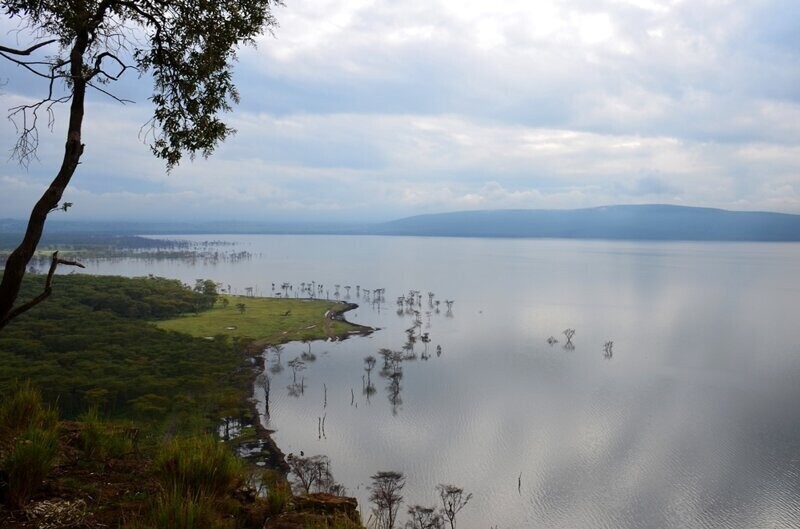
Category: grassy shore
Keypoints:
(265, 320)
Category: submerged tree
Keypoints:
(453, 500)
(385, 493)
(568, 345)
(424, 518)
(296, 365)
(187, 47)
(608, 349)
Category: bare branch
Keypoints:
(29, 65)
(25, 119)
(98, 68)
(48, 287)
(109, 94)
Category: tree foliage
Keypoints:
(187, 47)
(92, 345)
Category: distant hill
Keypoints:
(643, 222)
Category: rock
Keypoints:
(318, 510)
(328, 504)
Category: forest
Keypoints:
(92, 344)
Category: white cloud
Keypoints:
(372, 108)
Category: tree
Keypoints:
(208, 289)
(313, 473)
(385, 494)
(187, 47)
(424, 518)
(453, 500)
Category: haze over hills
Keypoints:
(634, 222)
(637, 222)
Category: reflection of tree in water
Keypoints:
(308, 356)
(367, 387)
(569, 333)
(276, 366)
(368, 390)
(608, 349)
(263, 380)
(296, 389)
(392, 371)
(393, 391)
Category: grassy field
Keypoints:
(266, 320)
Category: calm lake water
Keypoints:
(693, 421)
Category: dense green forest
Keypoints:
(92, 344)
(92, 353)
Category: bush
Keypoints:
(27, 463)
(278, 495)
(198, 466)
(28, 442)
(176, 510)
(24, 409)
(100, 441)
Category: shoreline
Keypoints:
(268, 450)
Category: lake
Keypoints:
(689, 420)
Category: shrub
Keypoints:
(24, 409)
(176, 510)
(27, 463)
(198, 466)
(278, 496)
(28, 442)
(101, 441)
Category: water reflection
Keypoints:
(697, 429)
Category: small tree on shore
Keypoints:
(313, 474)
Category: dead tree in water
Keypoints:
(453, 500)
(296, 365)
(386, 495)
(608, 349)
(264, 380)
(569, 333)
(424, 518)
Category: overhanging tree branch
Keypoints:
(187, 46)
(48, 288)
(26, 51)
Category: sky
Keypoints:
(370, 110)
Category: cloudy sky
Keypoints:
(377, 109)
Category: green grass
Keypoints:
(101, 441)
(198, 466)
(23, 409)
(28, 444)
(264, 319)
(28, 463)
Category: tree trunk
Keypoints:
(17, 262)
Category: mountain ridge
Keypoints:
(637, 222)
(657, 222)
